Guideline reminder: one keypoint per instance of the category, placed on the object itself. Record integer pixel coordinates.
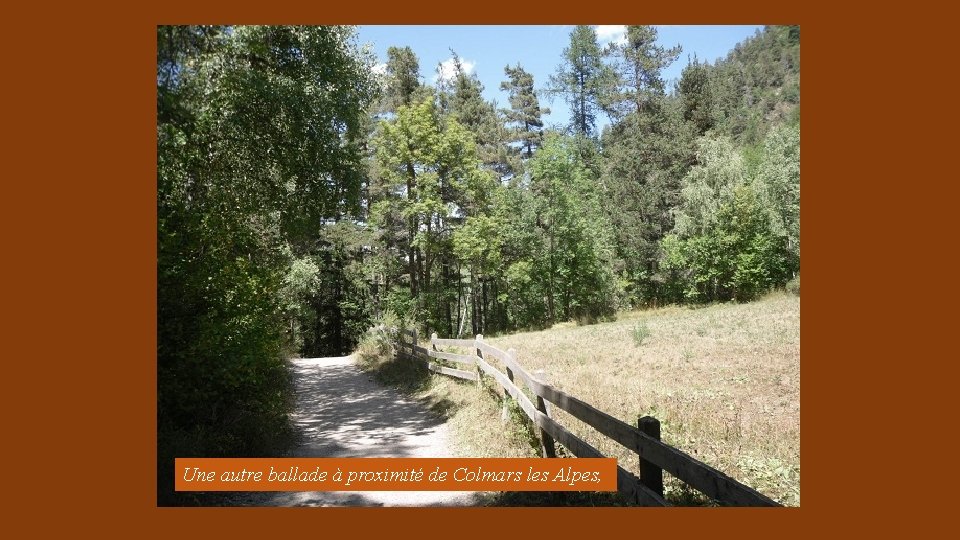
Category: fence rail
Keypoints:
(654, 455)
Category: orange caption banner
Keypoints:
(396, 474)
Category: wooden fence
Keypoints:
(643, 439)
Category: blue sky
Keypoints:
(487, 49)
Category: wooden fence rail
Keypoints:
(654, 455)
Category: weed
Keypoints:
(521, 429)
(640, 332)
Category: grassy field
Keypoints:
(723, 380)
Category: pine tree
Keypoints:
(403, 77)
(697, 96)
(582, 79)
(637, 62)
(525, 112)
(464, 98)
(645, 156)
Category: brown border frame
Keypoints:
(80, 90)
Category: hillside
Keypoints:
(758, 84)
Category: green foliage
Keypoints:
(523, 256)
(301, 282)
(645, 157)
(327, 293)
(431, 181)
(377, 356)
(736, 256)
(378, 341)
(478, 242)
(254, 153)
(727, 243)
(304, 197)
(400, 302)
(460, 96)
(778, 181)
(719, 171)
(583, 226)
(575, 231)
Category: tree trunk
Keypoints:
(486, 305)
(473, 303)
(583, 96)
(425, 260)
(446, 301)
(551, 312)
(337, 312)
(411, 250)
(459, 300)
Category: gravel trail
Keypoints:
(343, 412)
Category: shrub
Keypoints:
(376, 342)
(640, 333)
(737, 257)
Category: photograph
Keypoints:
(552, 242)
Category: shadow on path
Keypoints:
(343, 412)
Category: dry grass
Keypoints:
(723, 380)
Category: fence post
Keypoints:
(546, 441)
(413, 343)
(650, 475)
(512, 353)
(479, 338)
(505, 414)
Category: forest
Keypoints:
(304, 196)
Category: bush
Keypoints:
(377, 342)
(737, 257)
(640, 333)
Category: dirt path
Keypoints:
(343, 412)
